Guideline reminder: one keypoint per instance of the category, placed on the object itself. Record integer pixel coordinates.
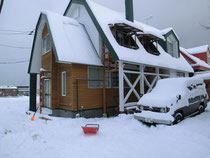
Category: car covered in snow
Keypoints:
(172, 100)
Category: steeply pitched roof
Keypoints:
(196, 62)
(200, 49)
(70, 40)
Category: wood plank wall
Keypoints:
(89, 98)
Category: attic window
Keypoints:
(172, 46)
(149, 43)
(125, 35)
(46, 43)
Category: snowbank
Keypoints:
(122, 136)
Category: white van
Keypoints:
(172, 100)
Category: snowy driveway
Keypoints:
(122, 137)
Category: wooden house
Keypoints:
(94, 61)
(201, 52)
(6, 91)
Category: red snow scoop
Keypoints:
(91, 128)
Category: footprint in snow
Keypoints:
(7, 131)
(35, 137)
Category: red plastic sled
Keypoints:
(91, 128)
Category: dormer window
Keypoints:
(149, 43)
(125, 35)
(172, 46)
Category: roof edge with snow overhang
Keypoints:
(140, 56)
(66, 50)
(199, 49)
(196, 62)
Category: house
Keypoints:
(8, 91)
(201, 52)
(23, 90)
(197, 64)
(93, 60)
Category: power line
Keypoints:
(14, 46)
(28, 34)
(7, 30)
(14, 62)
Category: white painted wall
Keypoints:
(79, 13)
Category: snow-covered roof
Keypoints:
(166, 30)
(106, 16)
(7, 87)
(200, 49)
(71, 40)
(197, 61)
(204, 76)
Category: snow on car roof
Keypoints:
(71, 41)
(200, 49)
(107, 16)
(205, 76)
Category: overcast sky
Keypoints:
(187, 17)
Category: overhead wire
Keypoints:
(10, 46)
(14, 62)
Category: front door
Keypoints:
(47, 90)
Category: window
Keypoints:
(125, 35)
(63, 83)
(46, 43)
(115, 80)
(172, 46)
(180, 74)
(149, 45)
(96, 75)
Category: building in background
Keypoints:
(201, 52)
(23, 90)
(8, 91)
(197, 64)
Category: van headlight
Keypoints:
(162, 110)
(141, 107)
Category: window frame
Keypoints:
(63, 83)
(172, 41)
(45, 41)
(99, 85)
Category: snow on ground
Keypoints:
(122, 136)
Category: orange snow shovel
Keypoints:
(33, 117)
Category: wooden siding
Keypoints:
(89, 98)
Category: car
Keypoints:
(172, 100)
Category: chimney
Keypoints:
(129, 10)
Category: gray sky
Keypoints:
(185, 16)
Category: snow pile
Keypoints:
(204, 76)
(200, 49)
(156, 116)
(122, 136)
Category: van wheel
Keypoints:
(178, 117)
(201, 109)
